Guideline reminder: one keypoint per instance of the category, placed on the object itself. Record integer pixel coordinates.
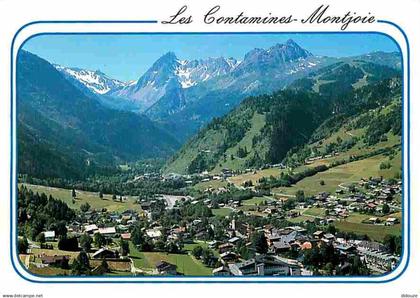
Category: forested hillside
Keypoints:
(270, 129)
(64, 133)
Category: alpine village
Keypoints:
(283, 163)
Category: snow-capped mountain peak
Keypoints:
(169, 73)
(96, 81)
(191, 73)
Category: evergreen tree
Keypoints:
(260, 242)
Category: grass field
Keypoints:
(354, 223)
(299, 219)
(317, 212)
(221, 211)
(356, 217)
(113, 265)
(347, 173)
(186, 264)
(238, 180)
(375, 232)
(50, 271)
(256, 201)
(210, 184)
(52, 252)
(90, 197)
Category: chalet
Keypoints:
(74, 226)
(126, 218)
(201, 235)
(301, 205)
(346, 249)
(122, 228)
(328, 238)
(359, 198)
(234, 240)
(384, 197)
(297, 229)
(270, 210)
(280, 246)
(229, 256)
(365, 245)
(283, 235)
(240, 228)
(126, 236)
(213, 243)
(91, 229)
(373, 220)
(165, 268)
(391, 221)
(322, 196)
(55, 260)
(318, 234)
(375, 181)
(115, 217)
(225, 247)
(262, 265)
(105, 253)
(273, 238)
(49, 235)
(154, 233)
(146, 205)
(293, 214)
(107, 232)
(339, 191)
(221, 271)
(247, 267)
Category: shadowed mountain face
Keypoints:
(261, 71)
(75, 129)
(168, 76)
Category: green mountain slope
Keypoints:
(344, 76)
(59, 125)
(291, 126)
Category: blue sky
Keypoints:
(127, 57)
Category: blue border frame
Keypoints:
(210, 279)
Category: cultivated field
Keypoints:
(215, 184)
(375, 232)
(346, 173)
(221, 211)
(186, 263)
(254, 177)
(87, 197)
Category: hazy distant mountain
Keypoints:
(392, 59)
(185, 95)
(168, 76)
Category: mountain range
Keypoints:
(59, 124)
(82, 120)
(183, 96)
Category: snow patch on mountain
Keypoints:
(96, 81)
